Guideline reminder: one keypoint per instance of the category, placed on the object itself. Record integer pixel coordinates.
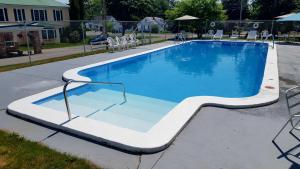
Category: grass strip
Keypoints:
(77, 55)
(17, 152)
(39, 62)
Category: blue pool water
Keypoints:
(158, 81)
(223, 69)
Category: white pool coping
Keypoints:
(162, 133)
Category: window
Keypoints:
(3, 14)
(49, 34)
(19, 14)
(61, 31)
(44, 34)
(39, 15)
(57, 15)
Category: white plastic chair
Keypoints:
(128, 41)
(112, 44)
(218, 35)
(252, 35)
(133, 40)
(123, 42)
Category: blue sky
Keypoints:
(63, 1)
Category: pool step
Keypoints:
(75, 108)
(138, 113)
(150, 104)
(87, 102)
(122, 120)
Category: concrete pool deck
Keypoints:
(214, 138)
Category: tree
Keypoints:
(267, 9)
(92, 8)
(77, 9)
(128, 10)
(233, 7)
(203, 9)
(160, 6)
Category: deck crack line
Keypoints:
(158, 159)
(139, 162)
(68, 121)
(51, 135)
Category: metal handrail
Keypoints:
(89, 82)
(273, 39)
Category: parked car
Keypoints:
(99, 39)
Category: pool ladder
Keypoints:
(180, 37)
(89, 82)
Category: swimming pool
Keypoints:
(164, 88)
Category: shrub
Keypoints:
(74, 37)
(154, 29)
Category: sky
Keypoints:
(63, 1)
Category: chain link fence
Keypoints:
(34, 41)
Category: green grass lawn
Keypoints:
(39, 62)
(53, 45)
(16, 152)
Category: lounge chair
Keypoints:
(133, 40)
(292, 35)
(234, 35)
(123, 42)
(283, 36)
(210, 33)
(129, 43)
(112, 44)
(218, 35)
(252, 35)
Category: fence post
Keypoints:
(142, 30)
(27, 41)
(272, 28)
(150, 33)
(165, 31)
(83, 36)
(205, 28)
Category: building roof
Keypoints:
(9, 27)
(153, 20)
(52, 3)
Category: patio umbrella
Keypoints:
(292, 17)
(185, 18)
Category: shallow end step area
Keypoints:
(139, 113)
(99, 116)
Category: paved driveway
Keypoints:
(215, 138)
